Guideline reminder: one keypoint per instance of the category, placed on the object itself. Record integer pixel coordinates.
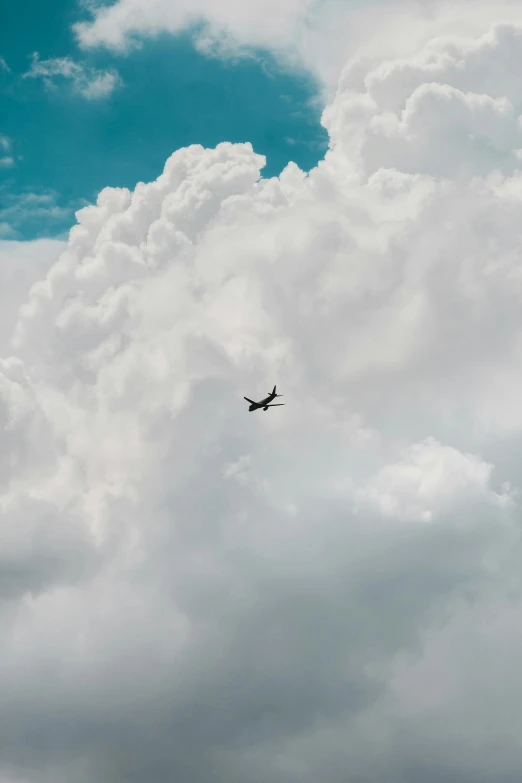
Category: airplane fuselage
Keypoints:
(262, 403)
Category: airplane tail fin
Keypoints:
(274, 390)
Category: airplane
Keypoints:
(266, 403)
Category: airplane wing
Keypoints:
(275, 404)
(251, 401)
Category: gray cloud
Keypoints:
(192, 592)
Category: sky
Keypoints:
(193, 592)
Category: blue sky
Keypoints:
(65, 148)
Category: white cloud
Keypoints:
(89, 82)
(429, 480)
(431, 113)
(21, 265)
(191, 591)
(319, 35)
(19, 209)
(6, 161)
(115, 25)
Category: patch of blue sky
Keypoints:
(64, 147)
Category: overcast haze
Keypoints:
(190, 592)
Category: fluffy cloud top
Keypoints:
(329, 592)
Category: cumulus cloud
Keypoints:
(92, 83)
(21, 264)
(422, 118)
(329, 592)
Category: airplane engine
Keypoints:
(265, 408)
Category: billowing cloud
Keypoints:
(92, 83)
(329, 592)
(22, 264)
